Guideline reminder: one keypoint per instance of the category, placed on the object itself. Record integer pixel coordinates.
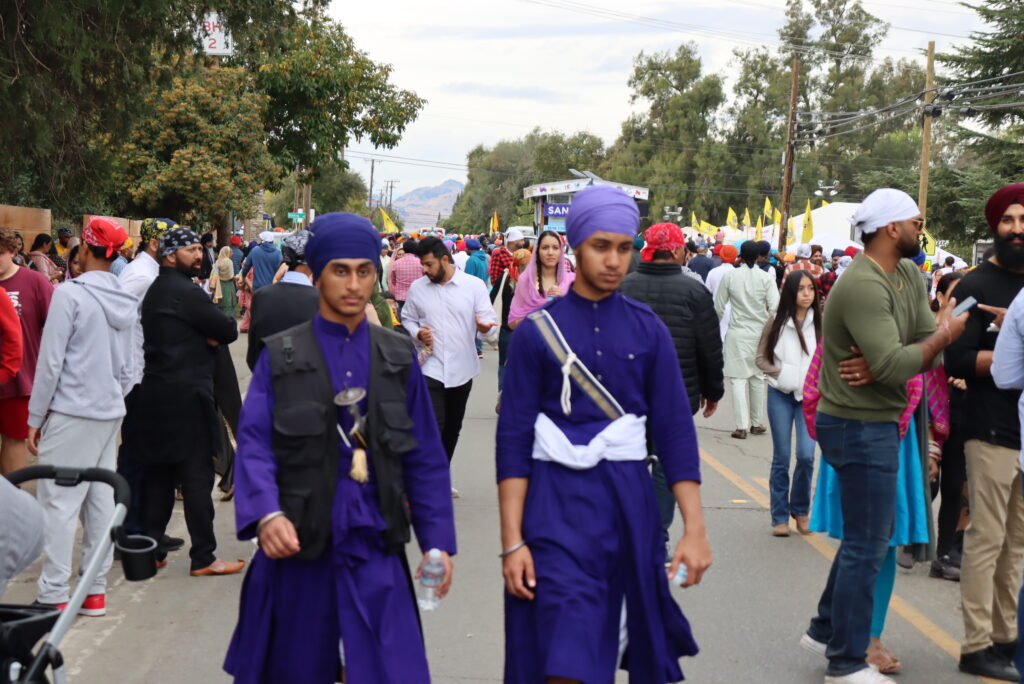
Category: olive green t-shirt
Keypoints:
(883, 315)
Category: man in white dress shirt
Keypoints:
(444, 311)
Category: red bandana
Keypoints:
(104, 232)
(662, 237)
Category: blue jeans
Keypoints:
(666, 502)
(785, 410)
(865, 456)
(504, 339)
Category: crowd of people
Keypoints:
(364, 348)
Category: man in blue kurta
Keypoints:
(583, 560)
(329, 587)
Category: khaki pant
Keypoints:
(748, 401)
(990, 576)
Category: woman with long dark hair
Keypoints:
(784, 354)
(544, 278)
(41, 245)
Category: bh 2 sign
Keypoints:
(214, 36)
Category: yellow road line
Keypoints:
(762, 483)
(901, 607)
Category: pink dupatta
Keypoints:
(527, 299)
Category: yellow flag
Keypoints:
(757, 235)
(694, 223)
(778, 218)
(733, 221)
(708, 229)
(808, 224)
(790, 238)
(824, 203)
(767, 208)
(494, 223)
(389, 225)
(747, 223)
(928, 244)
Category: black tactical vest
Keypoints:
(306, 439)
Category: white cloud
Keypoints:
(494, 69)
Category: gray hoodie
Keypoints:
(84, 368)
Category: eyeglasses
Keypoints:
(918, 223)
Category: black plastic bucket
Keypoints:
(138, 557)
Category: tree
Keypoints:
(201, 154)
(70, 78)
(324, 93)
(335, 189)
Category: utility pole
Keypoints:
(369, 199)
(307, 203)
(926, 133)
(391, 191)
(787, 177)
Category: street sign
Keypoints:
(214, 36)
(298, 215)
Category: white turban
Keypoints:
(803, 251)
(513, 234)
(882, 207)
(844, 263)
(267, 236)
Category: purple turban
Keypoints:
(600, 208)
(340, 235)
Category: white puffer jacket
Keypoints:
(788, 367)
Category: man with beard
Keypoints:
(444, 311)
(585, 582)
(990, 575)
(878, 332)
(176, 431)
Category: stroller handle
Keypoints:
(70, 477)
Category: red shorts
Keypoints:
(14, 417)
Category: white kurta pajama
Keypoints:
(753, 297)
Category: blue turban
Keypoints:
(340, 235)
(919, 258)
(472, 243)
(600, 208)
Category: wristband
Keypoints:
(512, 549)
(267, 518)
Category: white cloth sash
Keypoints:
(624, 439)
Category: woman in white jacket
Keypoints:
(784, 354)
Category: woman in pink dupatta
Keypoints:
(543, 279)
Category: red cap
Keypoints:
(104, 232)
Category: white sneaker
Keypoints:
(868, 675)
(455, 493)
(816, 647)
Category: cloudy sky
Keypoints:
(494, 69)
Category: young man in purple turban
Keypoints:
(329, 589)
(583, 560)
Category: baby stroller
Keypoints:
(21, 627)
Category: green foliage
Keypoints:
(201, 153)
(324, 93)
(335, 189)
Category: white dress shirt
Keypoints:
(450, 311)
(460, 260)
(135, 279)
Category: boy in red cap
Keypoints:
(77, 404)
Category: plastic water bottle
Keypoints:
(681, 574)
(431, 577)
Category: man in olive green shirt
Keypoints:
(877, 333)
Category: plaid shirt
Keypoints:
(403, 274)
(501, 259)
(825, 282)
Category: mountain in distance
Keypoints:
(421, 206)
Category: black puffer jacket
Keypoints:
(688, 311)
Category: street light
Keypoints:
(827, 190)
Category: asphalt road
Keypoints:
(747, 615)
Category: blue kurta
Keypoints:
(595, 534)
(294, 612)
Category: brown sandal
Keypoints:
(882, 658)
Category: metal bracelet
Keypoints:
(267, 518)
(512, 549)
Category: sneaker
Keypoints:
(868, 675)
(780, 530)
(168, 543)
(455, 493)
(53, 606)
(95, 605)
(905, 558)
(809, 643)
(988, 662)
